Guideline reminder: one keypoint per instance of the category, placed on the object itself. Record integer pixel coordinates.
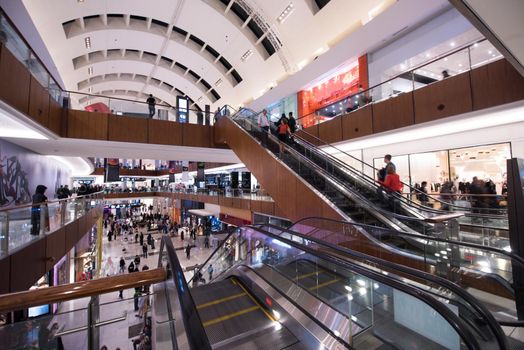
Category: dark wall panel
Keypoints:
(358, 123)
(495, 84)
(14, 82)
(164, 132)
(127, 129)
(39, 103)
(394, 113)
(442, 99)
(28, 265)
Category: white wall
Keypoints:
(436, 31)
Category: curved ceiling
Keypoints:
(216, 51)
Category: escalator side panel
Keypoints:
(294, 197)
(303, 327)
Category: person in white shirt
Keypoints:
(263, 124)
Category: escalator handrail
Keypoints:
(196, 334)
(491, 249)
(479, 307)
(455, 322)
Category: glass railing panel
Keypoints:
(11, 40)
(469, 265)
(451, 65)
(46, 332)
(21, 225)
(482, 53)
(392, 88)
(38, 71)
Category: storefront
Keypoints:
(459, 166)
(85, 256)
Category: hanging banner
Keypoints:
(185, 170)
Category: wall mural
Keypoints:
(22, 170)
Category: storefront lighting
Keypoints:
(285, 14)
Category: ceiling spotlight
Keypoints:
(87, 42)
(218, 82)
(80, 0)
(90, 70)
(246, 55)
(452, 44)
(285, 14)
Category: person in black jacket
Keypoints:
(39, 200)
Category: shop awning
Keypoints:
(200, 212)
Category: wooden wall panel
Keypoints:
(312, 203)
(5, 273)
(310, 134)
(358, 123)
(14, 82)
(394, 113)
(70, 234)
(32, 257)
(127, 129)
(286, 191)
(164, 132)
(225, 201)
(55, 247)
(331, 131)
(196, 135)
(444, 98)
(38, 103)
(267, 207)
(55, 117)
(495, 84)
(87, 125)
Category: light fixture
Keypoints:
(90, 89)
(87, 42)
(285, 14)
(490, 52)
(336, 333)
(80, 0)
(246, 55)
(452, 44)
(428, 55)
(90, 70)
(218, 82)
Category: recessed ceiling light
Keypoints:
(452, 44)
(218, 82)
(285, 14)
(87, 42)
(427, 55)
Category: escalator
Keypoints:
(272, 277)
(360, 199)
(232, 317)
(317, 187)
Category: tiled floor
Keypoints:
(115, 335)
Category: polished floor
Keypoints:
(123, 324)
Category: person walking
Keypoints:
(122, 264)
(210, 271)
(283, 133)
(188, 251)
(141, 238)
(144, 250)
(151, 102)
(38, 209)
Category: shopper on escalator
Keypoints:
(263, 124)
(391, 184)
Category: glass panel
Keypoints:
(483, 53)
(446, 67)
(38, 71)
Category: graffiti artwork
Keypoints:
(14, 184)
